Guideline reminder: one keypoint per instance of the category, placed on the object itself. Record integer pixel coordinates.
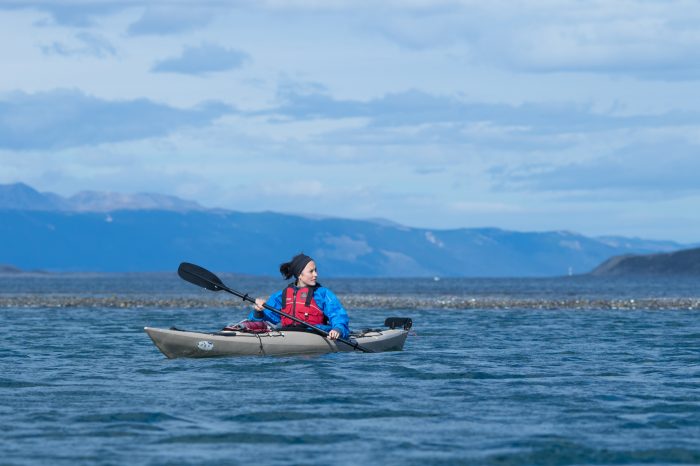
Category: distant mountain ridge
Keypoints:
(679, 263)
(109, 232)
(19, 196)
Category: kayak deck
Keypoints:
(175, 343)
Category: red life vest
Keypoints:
(300, 303)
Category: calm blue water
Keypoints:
(86, 385)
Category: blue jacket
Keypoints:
(327, 302)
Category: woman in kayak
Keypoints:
(304, 299)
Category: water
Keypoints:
(84, 385)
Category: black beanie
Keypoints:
(298, 263)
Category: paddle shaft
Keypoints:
(246, 297)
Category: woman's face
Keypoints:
(308, 276)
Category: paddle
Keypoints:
(204, 278)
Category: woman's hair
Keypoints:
(295, 266)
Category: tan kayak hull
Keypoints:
(187, 344)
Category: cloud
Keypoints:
(76, 13)
(168, 19)
(663, 168)
(64, 118)
(415, 107)
(206, 58)
(650, 44)
(638, 38)
(88, 45)
(645, 40)
(160, 17)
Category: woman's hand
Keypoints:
(259, 302)
(334, 334)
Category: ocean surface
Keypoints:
(571, 370)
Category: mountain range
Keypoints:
(20, 196)
(97, 231)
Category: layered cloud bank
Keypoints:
(522, 115)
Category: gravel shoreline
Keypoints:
(350, 302)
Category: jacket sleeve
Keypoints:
(337, 316)
(273, 301)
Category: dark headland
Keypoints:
(685, 262)
(5, 268)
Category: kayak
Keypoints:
(175, 343)
(257, 337)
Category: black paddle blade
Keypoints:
(393, 322)
(200, 277)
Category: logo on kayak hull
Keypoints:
(205, 345)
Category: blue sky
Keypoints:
(531, 116)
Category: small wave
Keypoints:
(228, 438)
(384, 413)
(270, 416)
(10, 383)
(135, 417)
(557, 452)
